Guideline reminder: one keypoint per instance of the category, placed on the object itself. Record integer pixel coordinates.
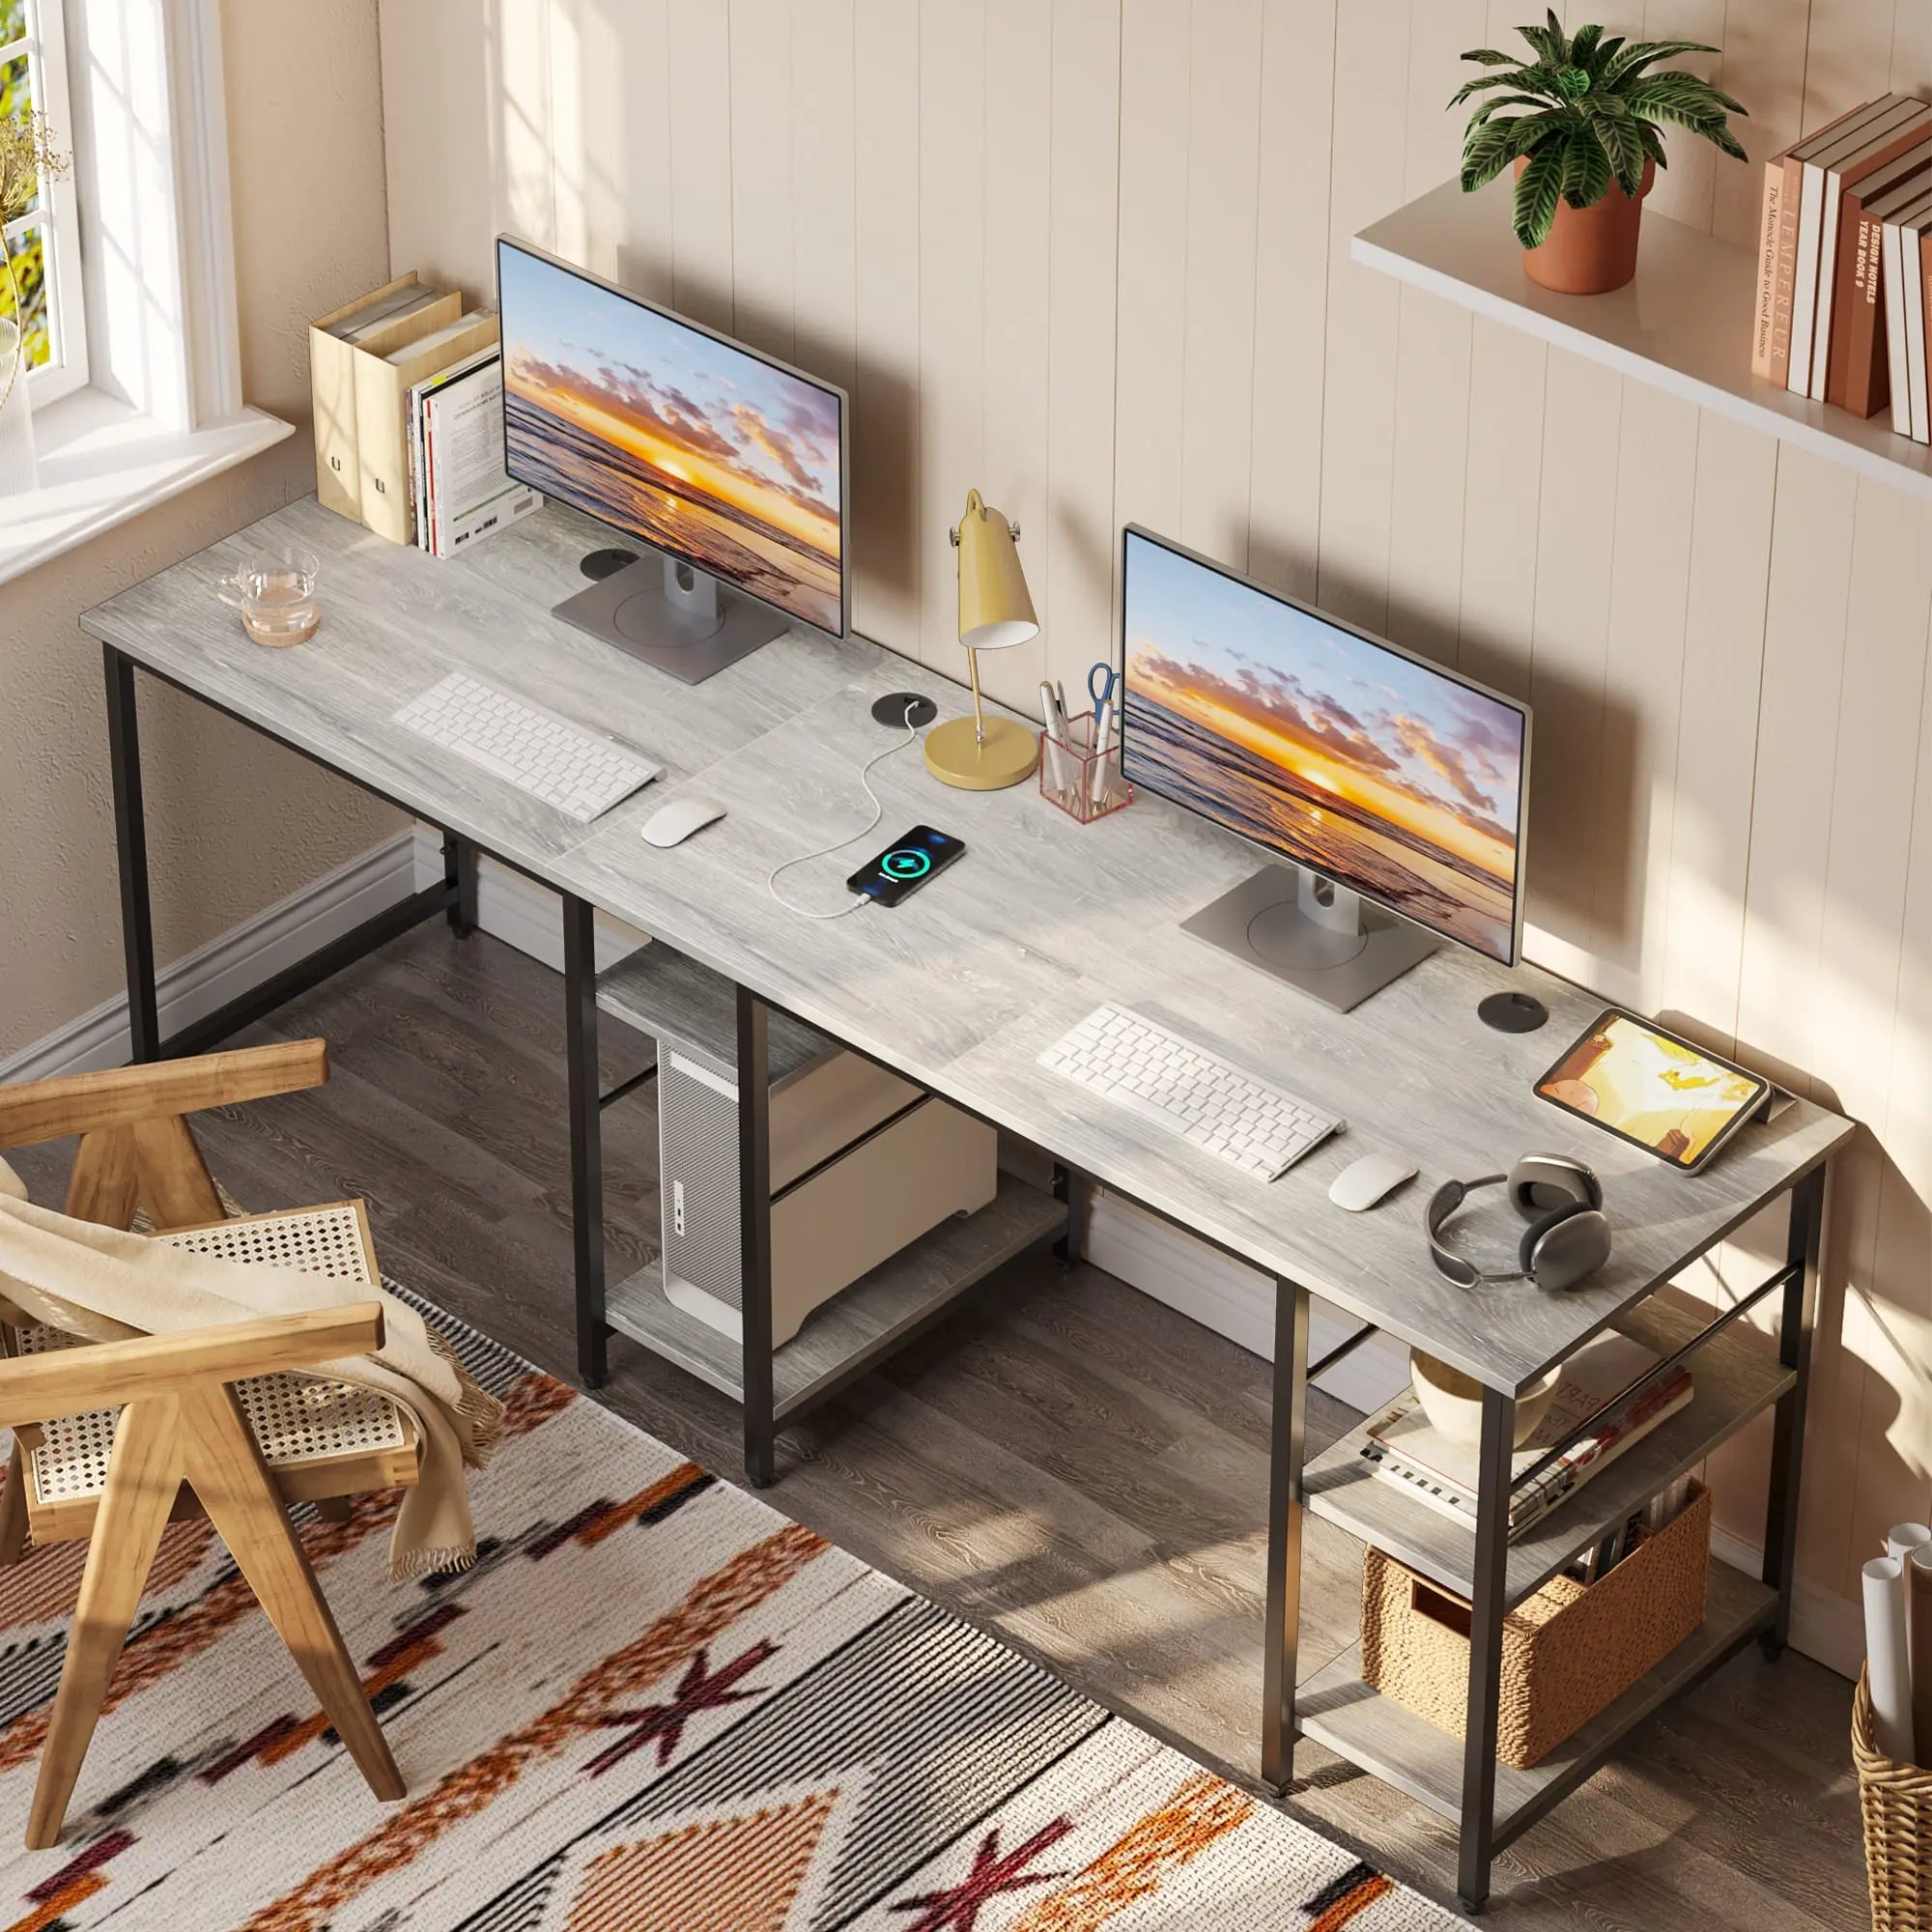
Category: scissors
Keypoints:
(1102, 680)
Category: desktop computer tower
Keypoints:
(861, 1162)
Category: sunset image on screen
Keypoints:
(1385, 775)
(1657, 1091)
(697, 446)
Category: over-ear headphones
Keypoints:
(1567, 1239)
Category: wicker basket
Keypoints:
(1895, 1802)
(1568, 1651)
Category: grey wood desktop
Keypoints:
(959, 989)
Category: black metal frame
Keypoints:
(1282, 1589)
(1797, 1325)
(586, 1137)
(455, 896)
(764, 1415)
(1482, 1715)
(1480, 1837)
(754, 1224)
(1070, 1190)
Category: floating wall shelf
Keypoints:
(1684, 325)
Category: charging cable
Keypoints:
(861, 900)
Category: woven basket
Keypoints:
(1895, 1800)
(1568, 1652)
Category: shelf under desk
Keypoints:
(1338, 1709)
(1736, 1375)
(843, 1338)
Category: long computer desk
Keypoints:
(958, 989)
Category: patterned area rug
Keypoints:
(654, 1706)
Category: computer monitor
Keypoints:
(725, 461)
(1397, 789)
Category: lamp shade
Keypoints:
(995, 607)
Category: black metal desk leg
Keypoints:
(459, 876)
(1069, 1188)
(1281, 1638)
(130, 842)
(1485, 1651)
(1788, 1440)
(586, 1136)
(755, 1212)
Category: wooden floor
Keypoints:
(1064, 1462)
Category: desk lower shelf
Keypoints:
(855, 1329)
(1336, 1708)
(1736, 1378)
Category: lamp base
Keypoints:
(956, 756)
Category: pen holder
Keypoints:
(1083, 783)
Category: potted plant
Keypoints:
(29, 163)
(1583, 139)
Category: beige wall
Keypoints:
(234, 824)
(1091, 257)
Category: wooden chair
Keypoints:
(213, 1421)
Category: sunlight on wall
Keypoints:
(523, 126)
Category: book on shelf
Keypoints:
(1903, 282)
(383, 320)
(461, 489)
(1777, 240)
(1866, 147)
(383, 385)
(1859, 377)
(1404, 1448)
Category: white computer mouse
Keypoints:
(1365, 1181)
(675, 820)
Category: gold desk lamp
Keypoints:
(981, 754)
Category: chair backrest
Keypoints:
(107, 1375)
(135, 1146)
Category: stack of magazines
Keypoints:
(456, 456)
(1402, 1447)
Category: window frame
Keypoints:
(57, 211)
(162, 409)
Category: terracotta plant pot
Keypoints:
(1590, 250)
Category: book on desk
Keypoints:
(408, 394)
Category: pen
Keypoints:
(1103, 724)
(1056, 736)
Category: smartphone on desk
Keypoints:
(906, 865)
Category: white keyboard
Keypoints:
(1210, 1103)
(574, 770)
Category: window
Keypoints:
(127, 268)
(44, 244)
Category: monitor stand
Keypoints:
(1313, 933)
(672, 616)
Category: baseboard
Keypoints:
(1824, 1625)
(520, 911)
(242, 958)
(513, 908)
(1201, 1282)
